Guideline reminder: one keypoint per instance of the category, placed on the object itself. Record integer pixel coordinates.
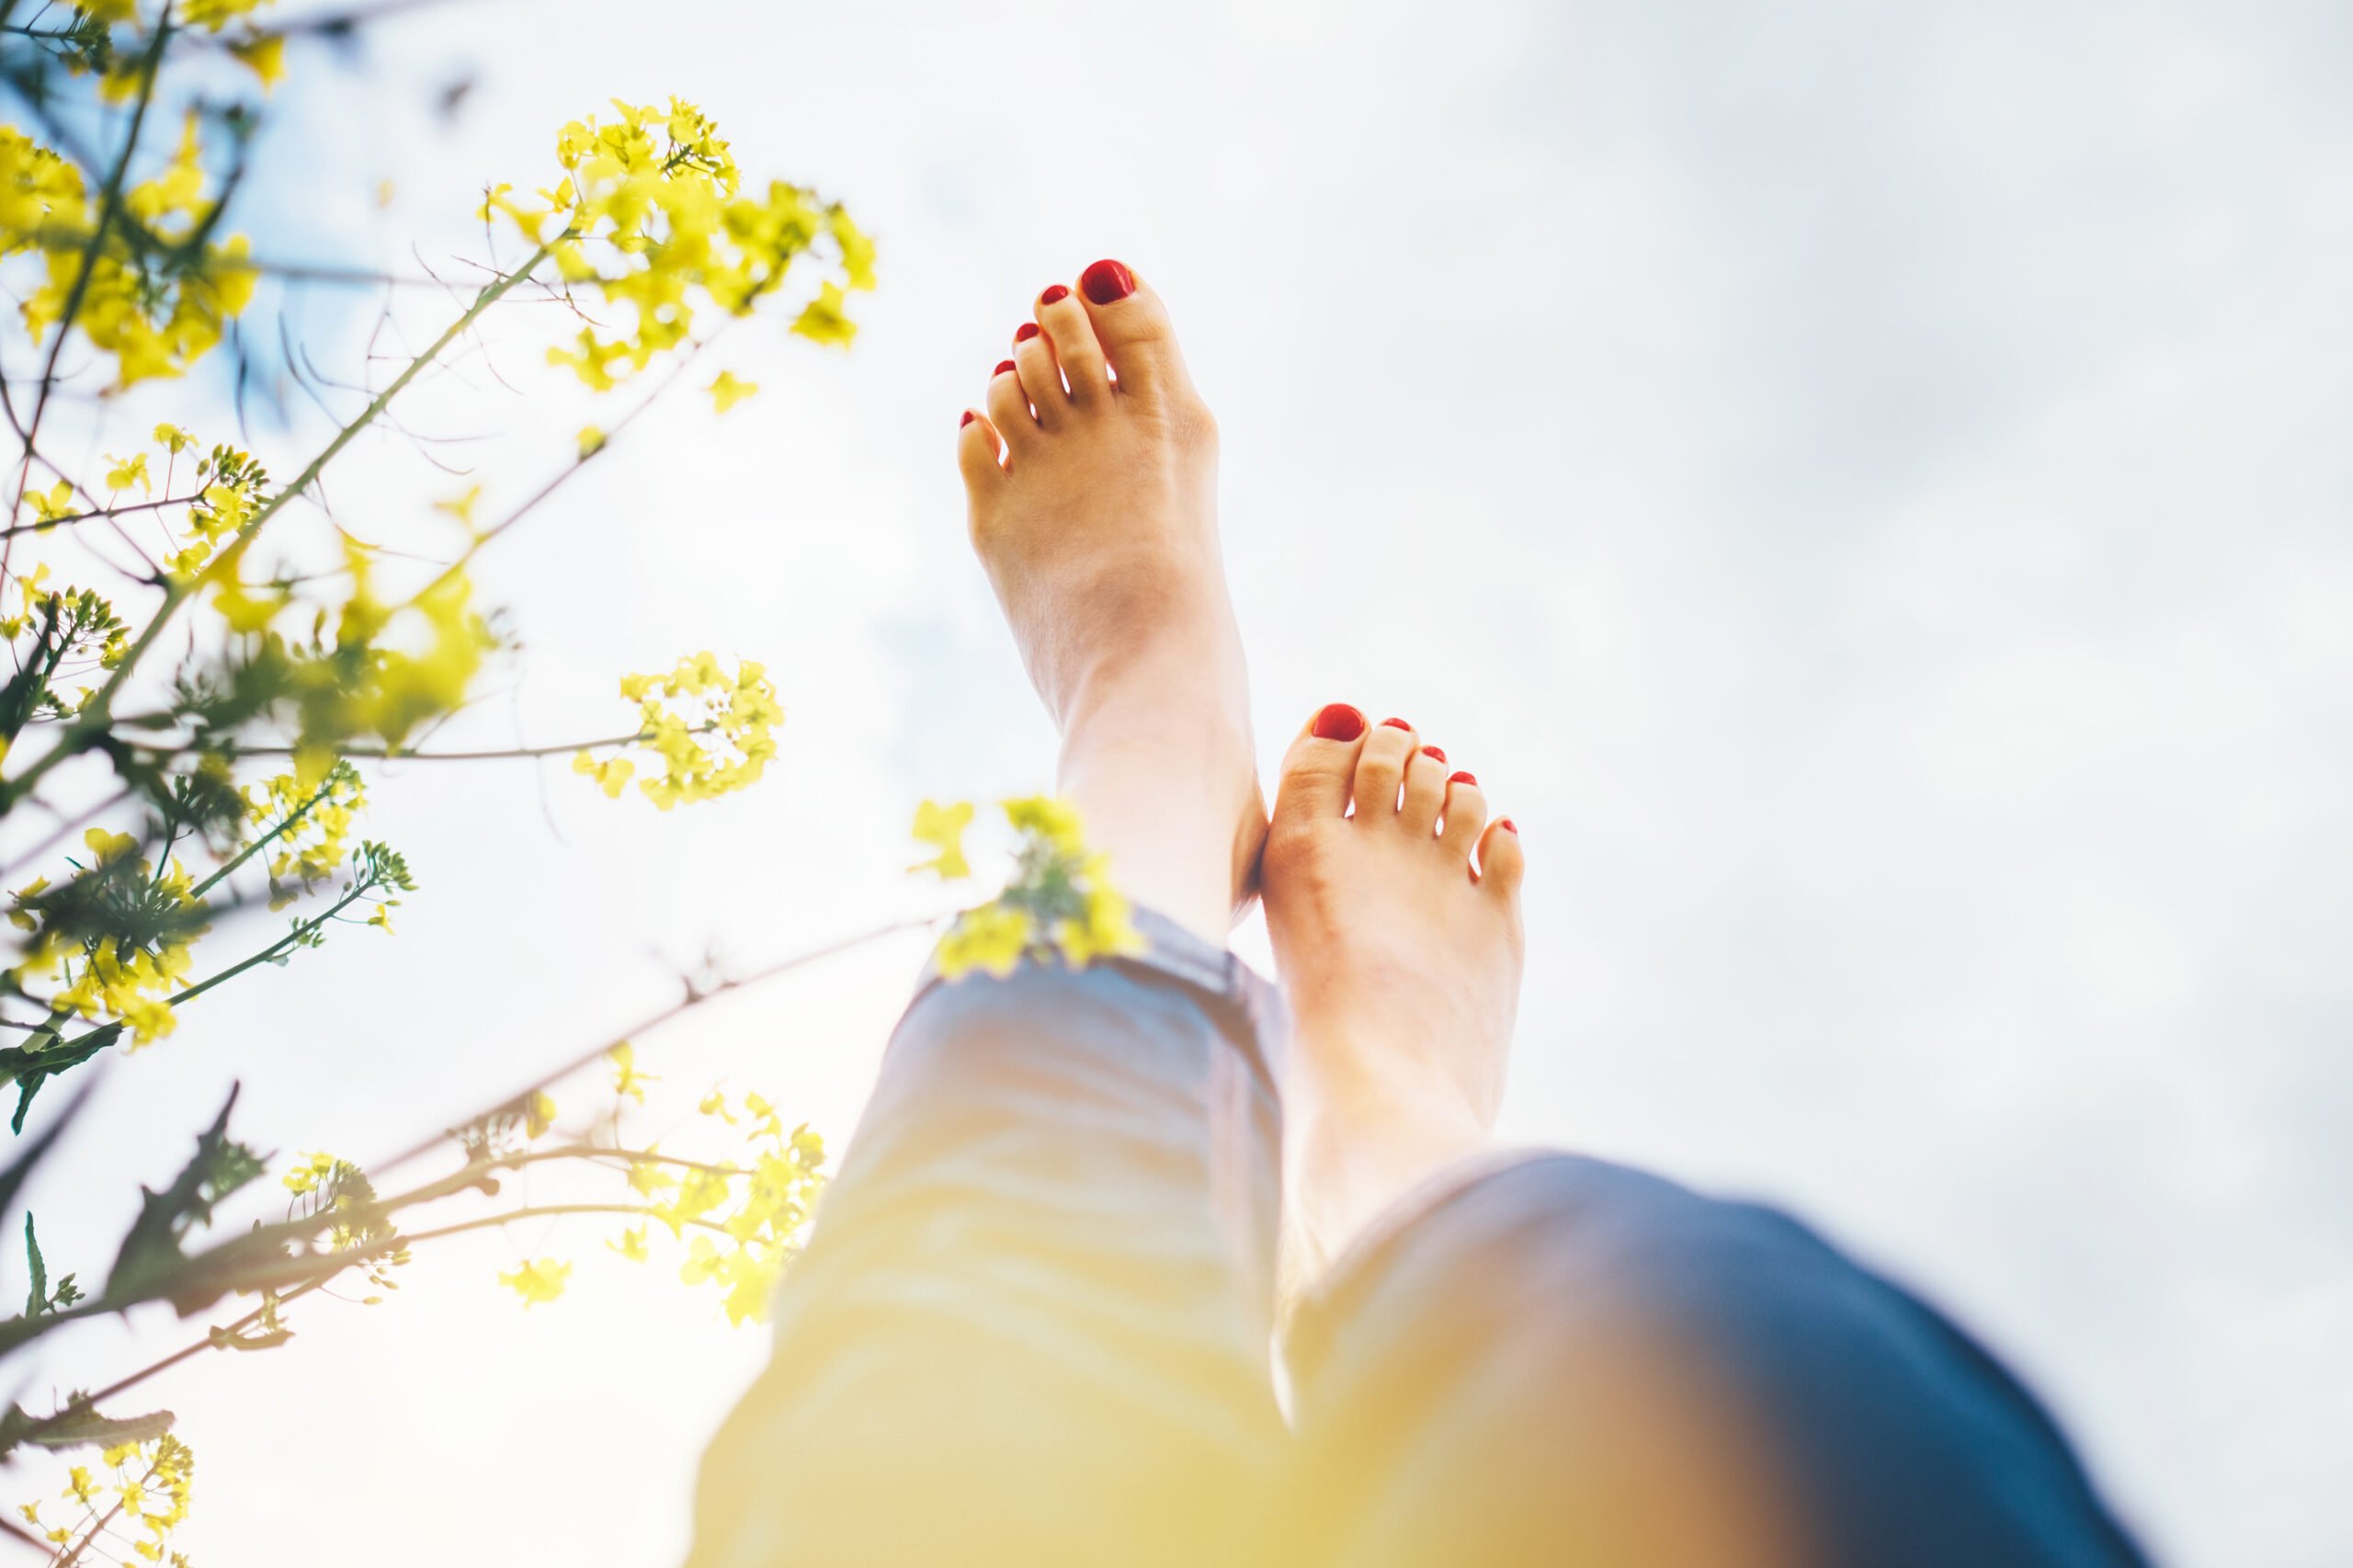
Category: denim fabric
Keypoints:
(1032, 1326)
(1436, 1355)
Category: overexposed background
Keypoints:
(1865, 488)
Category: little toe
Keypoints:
(1466, 815)
(978, 454)
(1425, 791)
(1319, 767)
(1134, 328)
(1380, 770)
(1072, 335)
(1501, 860)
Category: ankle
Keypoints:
(1349, 1166)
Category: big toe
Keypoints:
(1318, 770)
(1133, 327)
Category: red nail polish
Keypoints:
(1002, 367)
(1338, 721)
(1508, 826)
(1053, 295)
(1107, 282)
(968, 417)
(1025, 332)
(1434, 754)
(1397, 723)
(1470, 778)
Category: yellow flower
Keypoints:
(175, 439)
(992, 937)
(310, 1172)
(727, 391)
(1049, 817)
(1105, 929)
(627, 1079)
(591, 441)
(632, 1243)
(538, 1281)
(824, 319)
(943, 828)
(462, 506)
(266, 55)
(539, 1113)
(127, 472)
(611, 774)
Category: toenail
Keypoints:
(1508, 826)
(1471, 779)
(1057, 293)
(1338, 721)
(1107, 281)
(968, 417)
(1025, 332)
(1434, 754)
(1397, 723)
(1002, 367)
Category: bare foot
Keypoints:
(1401, 959)
(1093, 479)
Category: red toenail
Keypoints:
(1106, 282)
(1434, 754)
(968, 417)
(1002, 367)
(1508, 826)
(1471, 779)
(1025, 332)
(1397, 723)
(1338, 721)
(1053, 294)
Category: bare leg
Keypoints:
(1093, 507)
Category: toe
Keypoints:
(1466, 815)
(1041, 380)
(1071, 336)
(1320, 765)
(1500, 859)
(1134, 330)
(1009, 409)
(1380, 770)
(1424, 790)
(978, 454)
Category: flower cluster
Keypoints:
(144, 1488)
(679, 714)
(1058, 903)
(111, 943)
(149, 287)
(365, 666)
(651, 211)
(305, 828)
(748, 1212)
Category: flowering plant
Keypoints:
(204, 660)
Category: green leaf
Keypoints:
(79, 1424)
(151, 1254)
(36, 1302)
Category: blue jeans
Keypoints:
(1033, 1325)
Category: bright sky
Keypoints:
(1864, 488)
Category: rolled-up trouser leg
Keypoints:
(1031, 1324)
(1559, 1361)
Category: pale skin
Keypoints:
(1393, 900)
